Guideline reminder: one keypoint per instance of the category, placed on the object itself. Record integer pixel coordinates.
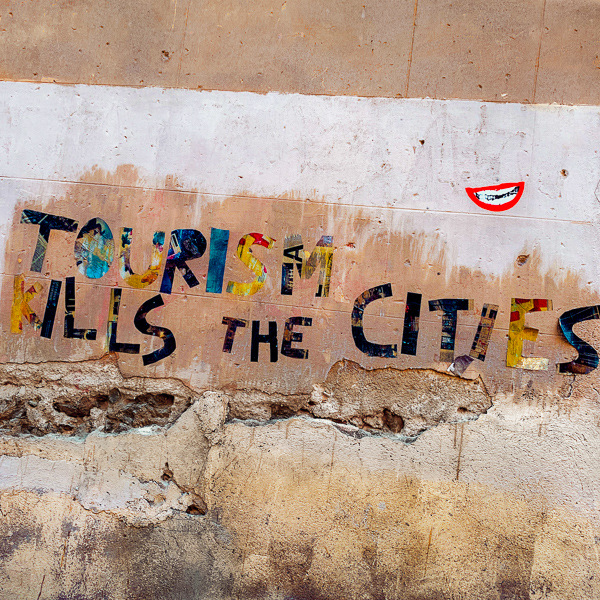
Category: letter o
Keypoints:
(94, 249)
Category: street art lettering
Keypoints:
(588, 357)
(244, 253)
(497, 198)
(306, 263)
(23, 294)
(70, 331)
(51, 307)
(166, 335)
(410, 334)
(370, 348)
(449, 308)
(94, 249)
(290, 336)
(517, 333)
(219, 241)
(267, 338)
(94, 253)
(489, 313)
(480, 342)
(151, 274)
(185, 245)
(46, 223)
(113, 320)
(232, 325)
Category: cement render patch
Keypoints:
(509, 51)
(360, 152)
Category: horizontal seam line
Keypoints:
(242, 299)
(139, 86)
(299, 200)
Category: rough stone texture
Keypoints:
(295, 508)
(75, 399)
(143, 476)
(404, 402)
(391, 401)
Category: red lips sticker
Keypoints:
(497, 197)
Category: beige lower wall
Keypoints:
(294, 508)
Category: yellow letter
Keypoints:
(23, 294)
(245, 255)
(517, 332)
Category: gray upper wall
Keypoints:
(530, 51)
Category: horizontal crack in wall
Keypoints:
(77, 398)
(401, 402)
(142, 475)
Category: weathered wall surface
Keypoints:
(412, 414)
(509, 51)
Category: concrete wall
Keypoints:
(422, 421)
(510, 51)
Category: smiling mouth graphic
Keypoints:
(497, 197)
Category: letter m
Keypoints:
(306, 263)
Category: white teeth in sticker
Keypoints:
(497, 197)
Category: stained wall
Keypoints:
(412, 413)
